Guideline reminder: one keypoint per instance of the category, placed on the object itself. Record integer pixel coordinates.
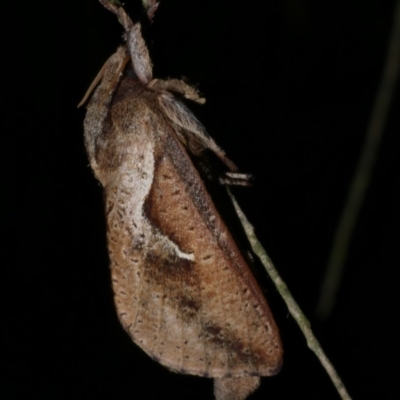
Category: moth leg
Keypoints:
(151, 8)
(138, 51)
(236, 179)
(178, 86)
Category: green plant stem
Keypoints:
(293, 307)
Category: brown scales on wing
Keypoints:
(234, 321)
(204, 315)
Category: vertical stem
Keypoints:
(362, 175)
(293, 307)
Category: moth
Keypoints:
(182, 290)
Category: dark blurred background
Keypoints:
(290, 87)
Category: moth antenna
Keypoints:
(98, 78)
(95, 82)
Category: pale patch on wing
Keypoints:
(179, 253)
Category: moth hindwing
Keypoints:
(183, 292)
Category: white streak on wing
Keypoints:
(179, 253)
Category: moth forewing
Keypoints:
(183, 292)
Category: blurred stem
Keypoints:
(293, 307)
(362, 175)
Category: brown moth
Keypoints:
(183, 291)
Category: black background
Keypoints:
(290, 87)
